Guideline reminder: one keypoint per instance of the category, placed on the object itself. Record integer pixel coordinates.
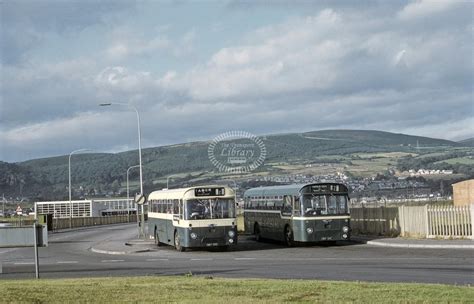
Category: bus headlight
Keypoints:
(309, 230)
(344, 236)
(193, 235)
(231, 233)
(345, 229)
(231, 241)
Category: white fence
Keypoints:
(453, 222)
(413, 221)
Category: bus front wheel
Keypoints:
(256, 231)
(289, 240)
(177, 242)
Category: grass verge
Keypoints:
(187, 289)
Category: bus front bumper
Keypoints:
(209, 236)
(320, 230)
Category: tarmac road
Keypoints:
(69, 254)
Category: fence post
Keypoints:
(402, 220)
(427, 223)
(472, 221)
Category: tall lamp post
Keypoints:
(70, 190)
(3, 200)
(139, 155)
(128, 193)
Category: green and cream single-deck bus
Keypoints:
(298, 213)
(201, 216)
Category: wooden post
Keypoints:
(402, 220)
(472, 220)
(35, 246)
(427, 222)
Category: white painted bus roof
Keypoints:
(275, 190)
(181, 192)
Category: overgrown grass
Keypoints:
(189, 289)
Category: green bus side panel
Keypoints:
(272, 226)
(164, 228)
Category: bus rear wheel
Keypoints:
(177, 243)
(289, 240)
(256, 231)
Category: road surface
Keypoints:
(69, 255)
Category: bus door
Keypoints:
(296, 206)
(287, 210)
(177, 215)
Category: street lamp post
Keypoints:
(70, 192)
(139, 156)
(128, 194)
(3, 200)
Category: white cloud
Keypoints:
(423, 8)
(133, 46)
(444, 129)
(400, 59)
(297, 55)
(60, 135)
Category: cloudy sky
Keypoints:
(195, 69)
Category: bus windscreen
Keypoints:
(314, 205)
(217, 208)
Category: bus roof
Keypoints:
(280, 190)
(181, 192)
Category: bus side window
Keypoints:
(287, 205)
(163, 206)
(278, 205)
(175, 206)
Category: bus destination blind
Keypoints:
(209, 191)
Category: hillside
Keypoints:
(469, 142)
(379, 138)
(99, 173)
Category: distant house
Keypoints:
(463, 193)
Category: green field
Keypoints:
(384, 155)
(191, 289)
(458, 160)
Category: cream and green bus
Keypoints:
(193, 217)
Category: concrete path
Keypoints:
(133, 245)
